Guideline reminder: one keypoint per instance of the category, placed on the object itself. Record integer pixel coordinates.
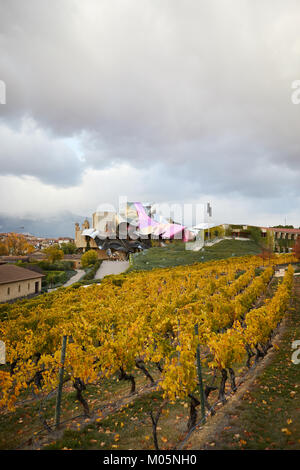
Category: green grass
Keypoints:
(175, 254)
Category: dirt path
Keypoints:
(111, 267)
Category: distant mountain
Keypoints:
(61, 225)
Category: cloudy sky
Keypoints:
(156, 100)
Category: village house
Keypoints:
(65, 240)
(17, 282)
(284, 238)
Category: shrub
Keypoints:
(91, 272)
(68, 248)
(58, 266)
(54, 253)
(56, 277)
(88, 258)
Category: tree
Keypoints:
(269, 241)
(16, 244)
(228, 231)
(88, 258)
(255, 234)
(3, 249)
(52, 278)
(266, 254)
(53, 253)
(219, 231)
(68, 248)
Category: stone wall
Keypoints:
(14, 290)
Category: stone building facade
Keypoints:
(83, 243)
(17, 282)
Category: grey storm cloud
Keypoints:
(30, 151)
(200, 88)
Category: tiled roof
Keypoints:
(13, 259)
(12, 273)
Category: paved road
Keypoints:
(75, 278)
(111, 267)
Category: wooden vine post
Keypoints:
(199, 370)
(60, 382)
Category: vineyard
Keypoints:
(149, 324)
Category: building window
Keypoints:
(19, 287)
(28, 285)
(8, 291)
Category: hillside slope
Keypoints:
(175, 254)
